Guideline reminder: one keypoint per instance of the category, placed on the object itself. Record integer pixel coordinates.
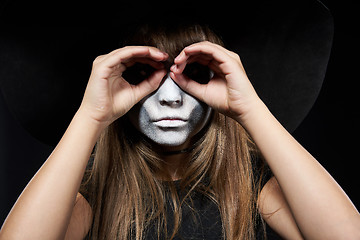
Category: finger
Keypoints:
(206, 48)
(149, 85)
(152, 63)
(225, 62)
(180, 62)
(125, 55)
(219, 55)
(190, 86)
(153, 54)
(215, 51)
(202, 59)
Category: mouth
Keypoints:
(170, 122)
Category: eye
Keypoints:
(137, 73)
(198, 72)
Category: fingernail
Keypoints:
(173, 76)
(159, 53)
(177, 58)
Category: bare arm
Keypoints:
(276, 211)
(45, 208)
(80, 221)
(318, 205)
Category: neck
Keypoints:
(177, 152)
(175, 161)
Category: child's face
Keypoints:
(169, 116)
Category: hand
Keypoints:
(108, 95)
(229, 91)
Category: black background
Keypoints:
(329, 132)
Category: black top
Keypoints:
(201, 220)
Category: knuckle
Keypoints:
(206, 44)
(236, 56)
(211, 44)
(98, 59)
(126, 48)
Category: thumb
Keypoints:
(190, 86)
(149, 85)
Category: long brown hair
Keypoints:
(123, 187)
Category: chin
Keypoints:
(170, 140)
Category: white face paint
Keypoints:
(170, 116)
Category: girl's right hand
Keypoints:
(108, 95)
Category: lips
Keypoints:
(170, 122)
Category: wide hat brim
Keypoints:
(284, 46)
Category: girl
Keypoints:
(180, 133)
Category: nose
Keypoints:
(170, 94)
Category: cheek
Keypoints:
(139, 117)
(199, 117)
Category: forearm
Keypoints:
(320, 207)
(44, 208)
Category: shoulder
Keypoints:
(81, 219)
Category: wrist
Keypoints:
(93, 125)
(256, 111)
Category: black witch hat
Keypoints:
(44, 68)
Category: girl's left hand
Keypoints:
(229, 91)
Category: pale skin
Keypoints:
(302, 201)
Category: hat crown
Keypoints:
(44, 71)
